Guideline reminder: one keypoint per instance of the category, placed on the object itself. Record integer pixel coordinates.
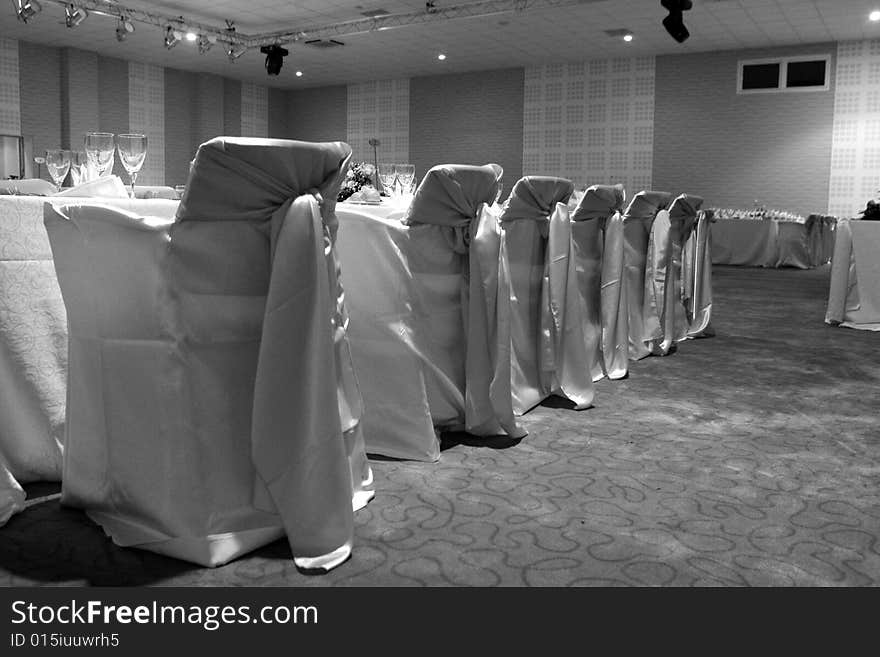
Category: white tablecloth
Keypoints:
(771, 242)
(403, 293)
(854, 292)
(33, 343)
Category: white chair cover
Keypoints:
(154, 191)
(212, 406)
(597, 241)
(638, 223)
(697, 275)
(665, 316)
(451, 206)
(542, 335)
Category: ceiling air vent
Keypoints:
(324, 43)
(373, 13)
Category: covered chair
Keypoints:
(535, 279)
(453, 242)
(212, 405)
(638, 221)
(696, 269)
(27, 186)
(664, 312)
(597, 239)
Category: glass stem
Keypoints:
(133, 175)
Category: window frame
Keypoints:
(783, 74)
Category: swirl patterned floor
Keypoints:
(751, 458)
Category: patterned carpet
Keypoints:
(751, 458)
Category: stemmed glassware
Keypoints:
(99, 149)
(58, 164)
(406, 174)
(387, 177)
(132, 151)
(78, 167)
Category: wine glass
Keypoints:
(78, 165)
(99, 150)
(387, 177)
(58, 164)
(132, 151)
(406, 174)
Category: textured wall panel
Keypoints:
(254, 110)
(591, 121)
(855, 143)
(10, 91)
(379, 109)
(146, 97)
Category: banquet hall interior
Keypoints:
(446, 293)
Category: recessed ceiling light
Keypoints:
(627, 37)
(441, 56)
(874, 15)
(299, 74)
(191, 36)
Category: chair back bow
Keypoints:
(248, 179)
(646, 204)
(451, 195)
(535, 198)
(599, 202)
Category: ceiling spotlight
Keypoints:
(205, 43)
(627, 37)
(674, 22)
(191, 36)
(74, 15)
(124, 28)
(172, 37)
(26, 9)
(235, 51)
(874, 15)
(441, 56)
(299, 74)
(275, 55)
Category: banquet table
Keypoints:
(757, 242)
(33, 342)
(854, 292)
(403, 294)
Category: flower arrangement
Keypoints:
(359, 174)
(872, 209)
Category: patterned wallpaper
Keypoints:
(855, 145)
(10, 101)
(146, 115)
(254, 110)
(592, 121)
(380, 109)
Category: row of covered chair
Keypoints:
(507, 304)
(213, 385)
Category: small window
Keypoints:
(760, 76)
(801, 73)
(810, 73)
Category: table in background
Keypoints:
(757, 242)
(854, 292)
(33, 341)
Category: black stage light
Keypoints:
(274, 58)
(674, 22)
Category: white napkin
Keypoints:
(29, 186)
(104, 187)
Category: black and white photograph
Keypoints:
(465, 294)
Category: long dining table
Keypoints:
(801, 242)
(854, 291)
